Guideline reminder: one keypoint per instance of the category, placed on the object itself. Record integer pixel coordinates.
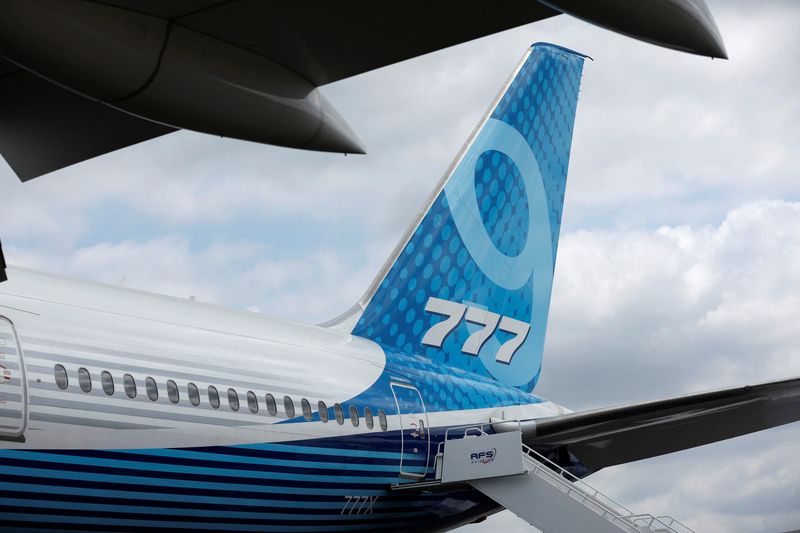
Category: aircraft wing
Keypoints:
(122, 71)
(329, 41)
(616, 435)
(44, 127)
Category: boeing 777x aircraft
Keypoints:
(122, 410)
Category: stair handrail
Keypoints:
(615, 508)
(670, 521)
(646, 520)
(466, 428)
(480, 428)
(612, 510)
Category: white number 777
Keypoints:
(456, 312)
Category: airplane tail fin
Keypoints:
(469, 284)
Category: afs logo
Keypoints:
(484, 457)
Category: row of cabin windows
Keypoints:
(151, 389)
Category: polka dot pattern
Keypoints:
(540, 104)
(503, 201)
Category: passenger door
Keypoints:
(415, 437)
(13, 385)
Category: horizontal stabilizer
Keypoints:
(616, 435)
(44, 127)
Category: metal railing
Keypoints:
(660, 523)
(474, 430)
(573, 486)
(595, 500)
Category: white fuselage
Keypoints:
(122, 331)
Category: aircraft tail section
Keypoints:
(469, 285)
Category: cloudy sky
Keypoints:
(679, 262)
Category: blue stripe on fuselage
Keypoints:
(273, 487)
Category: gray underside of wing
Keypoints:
(329, 41)
(246, 69)
(617, 435)
(44, 127)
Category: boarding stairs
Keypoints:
(531, 486)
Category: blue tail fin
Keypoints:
(469, 285)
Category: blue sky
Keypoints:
(679, 262)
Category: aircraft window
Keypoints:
(172, 391)
(130, 385)
(252, 401)
(354, 415)
(84, 380)
(272, 407)
(233, 400)
(213, 397)
(306, 409)
(337, 410)
(194, 394)
(288, 407)
(152, 389)
(368, 418)
(61, 377)
(382, 419)
(323, 411)
(107, 382)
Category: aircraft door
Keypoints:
(13, 385)
(415, 438)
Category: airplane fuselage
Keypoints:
(151, 411)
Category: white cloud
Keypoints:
(676, 309)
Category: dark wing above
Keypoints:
(122, 71)
(328, 41)
(44, 127)
(247, 69)
(606, 437)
